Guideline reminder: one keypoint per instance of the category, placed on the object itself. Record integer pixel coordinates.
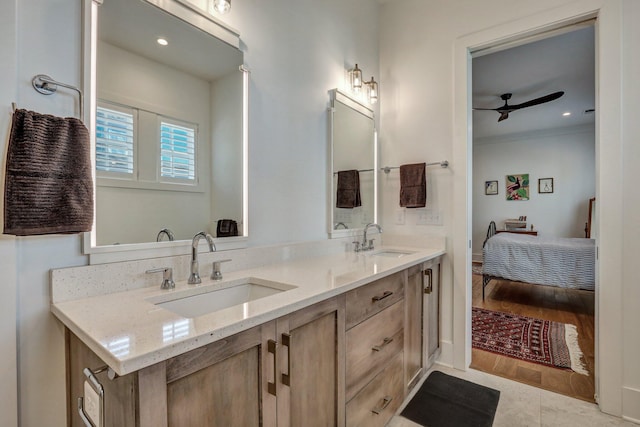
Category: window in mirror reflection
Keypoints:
(184, 100)
(114, 141)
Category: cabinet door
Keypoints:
(432, 312)
(220, 384)
(414, 324)
(311, 366)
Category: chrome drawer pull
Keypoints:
(385, 402)
(381, 297)
(385, 342)
(271, 348)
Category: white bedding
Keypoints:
(554, 261)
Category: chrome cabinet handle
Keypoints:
(385, 402)
(286, 378)
(429, 286)
(377, 298)
(271, 348)
(385, 342)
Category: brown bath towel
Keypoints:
(413, 185)
(48, 184)
(348, 190)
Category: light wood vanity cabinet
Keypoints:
(286, 372)
(349, 360)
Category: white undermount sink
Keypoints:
(187, 304)
(392, 253)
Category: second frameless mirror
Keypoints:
(353, 159)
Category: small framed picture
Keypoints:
(491, 187)
(545, 185)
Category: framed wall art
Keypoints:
(545, 185)
(517, 187)
(491, 188)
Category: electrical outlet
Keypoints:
(92, 404)
(400, 215)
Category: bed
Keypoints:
(553, 261)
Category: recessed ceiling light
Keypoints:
(566, 113)
(162, 42)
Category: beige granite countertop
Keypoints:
(129, 332)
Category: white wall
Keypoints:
(8, 266)
(631, 214)
(566, 155)
(425, 103)
(296, 51)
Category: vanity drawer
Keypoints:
(371, 344)
(370, 299)
(380, 399)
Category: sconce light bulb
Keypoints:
(356, 79)
(220, 6)
(373, 90)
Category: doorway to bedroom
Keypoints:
(533, 177)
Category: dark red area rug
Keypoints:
(526, 338)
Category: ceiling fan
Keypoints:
(506, 108)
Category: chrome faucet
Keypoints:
(194, 277)
(166, 232)
(367, 245)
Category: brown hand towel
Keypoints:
(413, 185)
(348, 190)
(48, 184)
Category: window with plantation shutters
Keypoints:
(115, 141)
(177, 150)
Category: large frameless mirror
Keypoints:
(167, 120)
(353, 165)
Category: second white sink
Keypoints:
(187, 304)
(391, 253)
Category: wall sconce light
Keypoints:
(372, 85)
(220, 6)
(356, 79)
(356, 82)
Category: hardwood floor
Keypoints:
(544, 302)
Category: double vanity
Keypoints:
(313, 336)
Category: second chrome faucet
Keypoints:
(194, 276)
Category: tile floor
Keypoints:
(524, 405)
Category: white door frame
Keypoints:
(608, 178)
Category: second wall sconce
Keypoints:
(357, 82)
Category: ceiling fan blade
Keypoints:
(537, 101)
(503, 116)
(485, 109)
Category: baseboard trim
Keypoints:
(631, 404)
(446, 354)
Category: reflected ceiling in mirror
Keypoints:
(169, 132)
(353, 149)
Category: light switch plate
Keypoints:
(92, 404)
(400, 217)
